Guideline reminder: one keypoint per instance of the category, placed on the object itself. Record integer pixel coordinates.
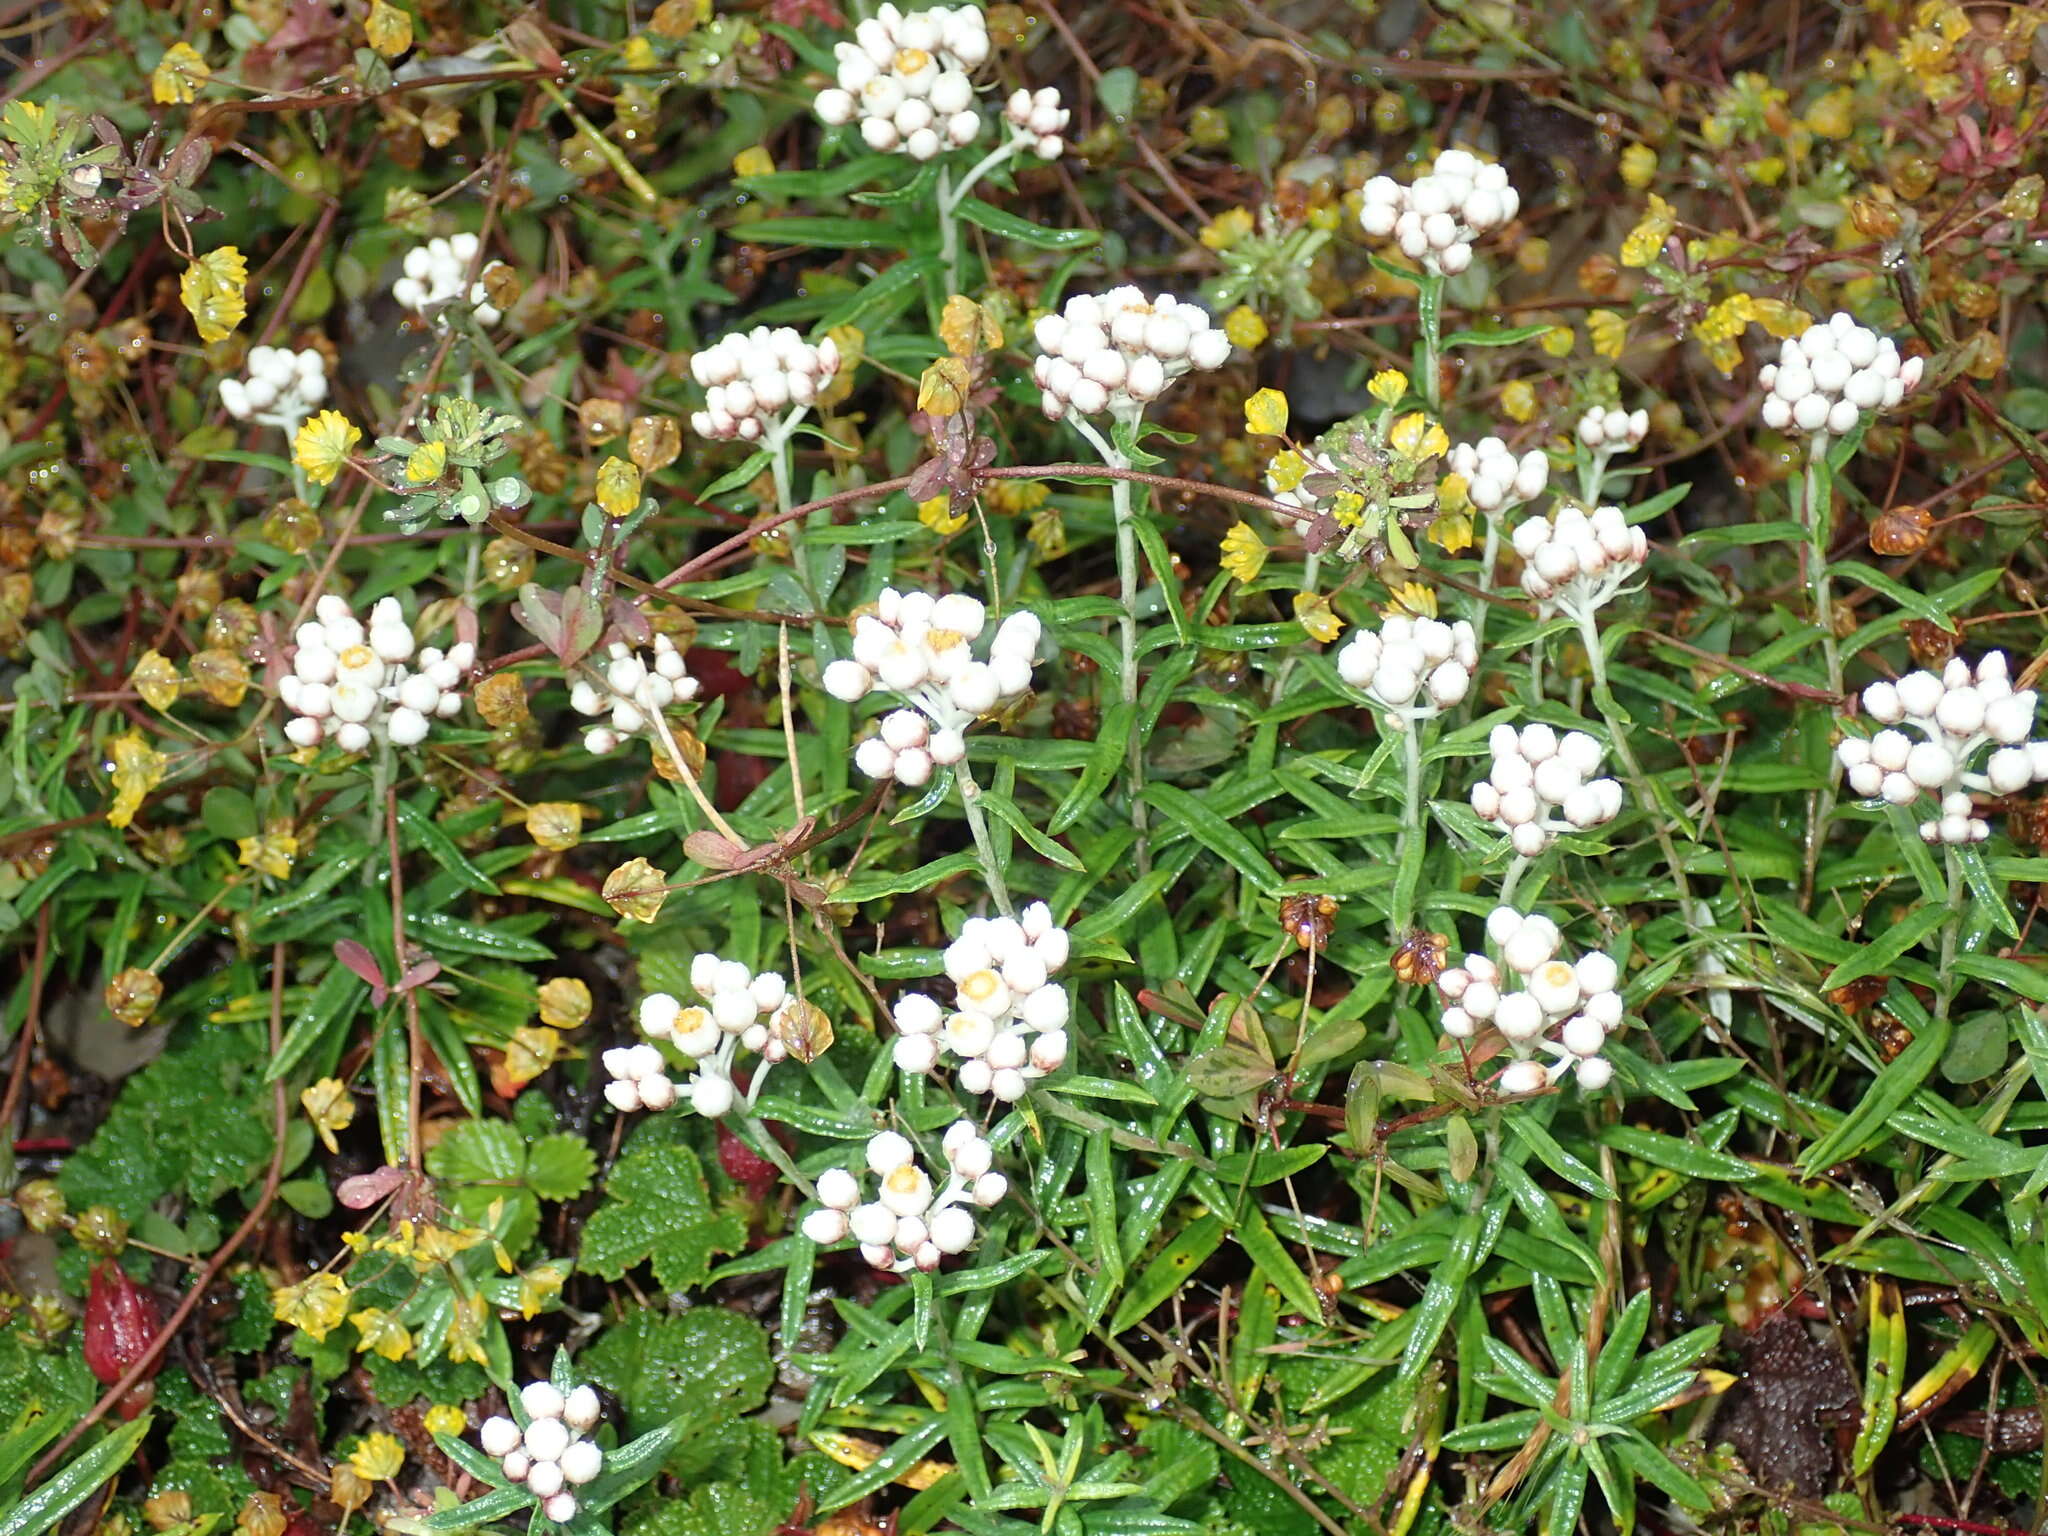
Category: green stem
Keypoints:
(1817, 512)
(1411, 812)
(984, 846)
(1618, 731)
(1429, 298)
(1127, 621)
(1950, 931)
(949, 231)
(1489, 554)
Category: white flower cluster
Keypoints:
(741, 1010)
(1410, 659)
(358, 684)
(1119, 350)
(1539, 777)
(1037, 118)
(1564, 1010)
(906, 77)
(1957, 713)
(1575, 563)
(434, 273)
(1495, 477)
(1009, 1020)
(751, 377)
(552, 1454)
(1827, 377)
(281, 390)
(909, 1224)
(1611, 429)
(921, 648)
(635, 692)
(1435, 218)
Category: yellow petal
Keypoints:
(214, 291)
(138, 769)
(156, 680)
(1312, 610)
(178, 74)
(556, 825)
(1244, 552)
(1265, 413)
(618, 488)
(377, 1457)
(388, 29)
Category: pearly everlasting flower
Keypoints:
(1610, 429)
(1575, 563)
(434, 275)
(281, 388)
(1436, 217)
(1542, 784)
(635, 691)
(551, 1454)
(1495, 477)
(1956, 713)
(1411, 669)
(752, 378)
(1008, 1026)
(1536, 1003)
(361, 685)
(1118, 351)
(1038, 119)
(907, 79)
(1827, 377)
(910, 1224)
(740, 1010)
(921, 649)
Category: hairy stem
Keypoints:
(1618, 731)
(984, 846)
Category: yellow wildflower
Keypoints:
(387, 29)
(445, 1419)
(564, 1002)
(754, 160)
(1013, 496)
(271, 851)
(1410, 600)
(939, 516)
(328, 1105)
(316, 1304)
(138, 768)
(1244, 552)
(1518, 399)
(1265, 413)
(1286, 471)
(377, 1457)
(466, 1330)
(1834, 115)
(1646, 240)
(214, 291)
(1638, 166)
(1609, 332)
(1559, 340)
(539, 1286)
(1245, 328)
(379, 1333)
(1416, 437)
(156, 679)
(1451, 532)
(618, 487)
(1227, 229)
(178, 75)
(1388, 386)
(427, 463)
(531, 1051)
(322, 446)
(1315, 615)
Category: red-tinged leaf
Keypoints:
(714, 850)
(418, 975)
(364, 1190)
(361, 961)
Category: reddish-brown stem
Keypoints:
(17, 1081)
